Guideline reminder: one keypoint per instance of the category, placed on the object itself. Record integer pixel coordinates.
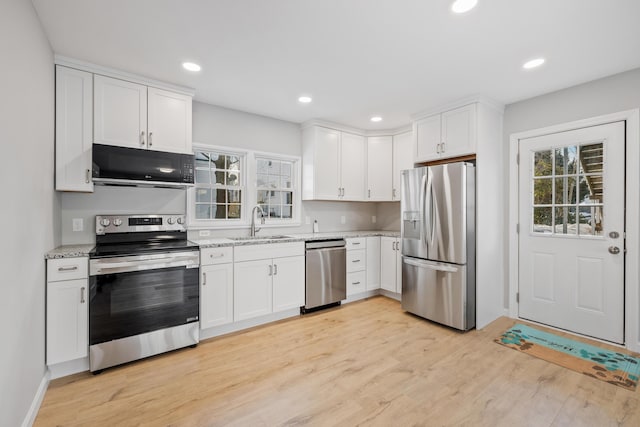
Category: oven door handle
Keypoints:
(100, 267)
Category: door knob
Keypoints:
(614, 250)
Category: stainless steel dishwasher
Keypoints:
(326, 279)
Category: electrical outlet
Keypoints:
(373, 219)
(307, 220)
(78, 224)
(204, 233)
(343, 219)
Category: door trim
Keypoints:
(632, 214)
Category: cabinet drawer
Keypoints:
(356, 260)
(267, 251)
(356, 243)
(356, 282)
(67, 269)
(210, 256)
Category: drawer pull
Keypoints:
(217, 256)
(356, 260)
(355, 283)
(356, 243)
(73, 268)
(204, 279)
(82, 300)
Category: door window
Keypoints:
(567, 196)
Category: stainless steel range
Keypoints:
(143, 288)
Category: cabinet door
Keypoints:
(252, 295)
(428, 138)
(74, 129)
(352, 166)
(169, 121)
(326, 173)
(288, 283)
(459, 131)
(216, 295)
(379, 168)
(403, 157)
(67, 321)
(388, 263)
(119, 113)
(373, 263)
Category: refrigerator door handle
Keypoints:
(423, 189)
(427, 209)
(431, 265)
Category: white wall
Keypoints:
(30, 210)
(608, 95)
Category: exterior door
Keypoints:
(571, 241)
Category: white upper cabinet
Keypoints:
(379, 168)
(169, 121)
(121, 110)
(119, 113)
(74, 126)
(352, 166)
(333, 165)
(403, 158)
(446, 135)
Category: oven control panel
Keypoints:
(107, 224)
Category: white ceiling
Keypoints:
(356, 58)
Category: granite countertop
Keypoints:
(69, 251)
(72, 251)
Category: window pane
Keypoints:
(287, 197)
(542, 165)
(275, 197)
(591, 158)
(233, 163)
(565, 220)
(219, 211)
(202, 160)
(233, 211)
(274, 211)
(566, 190)
(542, 220)
(220, 196)
(286, 170)
(263, 197)
(203, 195)
(233, 196)
(202, 177)
(590, 219)
(591, 189)
(233, 178)
(203, 211)
(220, 177)
(274, 167)
(542, 191)
(217, 161)
(274, 181)
(566, 160)
(262, 180)
(262, 166)
(286, 182)
(286, 212)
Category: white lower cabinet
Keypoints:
(373, 263)
(390, 264)
(268, 279)
(356, 265)
(67, 310)
(216, 295)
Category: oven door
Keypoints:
(133, 295)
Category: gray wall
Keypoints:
(214, 125)
(608, 95)
(30, 213)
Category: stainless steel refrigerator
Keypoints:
(438, 243)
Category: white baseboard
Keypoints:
(30, 418)
(393, 295)
(71, 367)
(246, 324)
(361, 295)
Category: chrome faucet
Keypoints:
(253, 230)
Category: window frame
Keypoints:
(249, 191)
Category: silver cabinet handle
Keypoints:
(355, 243)
(355, 283)
(438, 148)
(339, 192)
(217, 256)
(142, 138)
(342, 191)
(204, 279)
(150, 140)
(369, 194)
(393, 193)
(275, 269)
(82, 300)
(356, 260)
(73, 268)
(270, 270)
(88, 179)
(442, 147)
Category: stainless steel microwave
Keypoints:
(143, 168)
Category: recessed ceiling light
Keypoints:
(376, 119)
(533, 63)
(305, 99)
(191, 66)
(462, 6)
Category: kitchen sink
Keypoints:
(277, 237)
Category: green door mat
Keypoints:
(615, 368)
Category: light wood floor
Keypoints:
(365, 363)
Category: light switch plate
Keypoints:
(78, 224)
(204, 233)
